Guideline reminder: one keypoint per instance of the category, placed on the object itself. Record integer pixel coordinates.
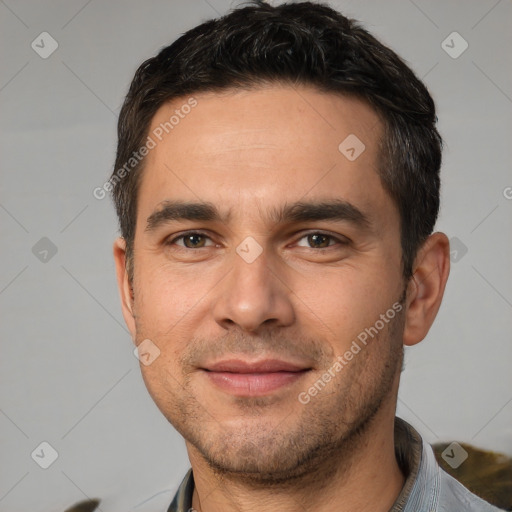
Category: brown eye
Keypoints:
(191, 240)
(320, 241)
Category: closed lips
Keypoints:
(266, 366)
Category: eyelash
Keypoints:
(188, 233)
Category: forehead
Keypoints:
(244, 149)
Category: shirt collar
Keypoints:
(412, 456)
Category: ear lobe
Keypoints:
(426, 287)
(124, 285)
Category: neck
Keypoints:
(363, 475)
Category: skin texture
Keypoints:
(251, 153)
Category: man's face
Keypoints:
(251, 309)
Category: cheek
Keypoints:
(164, 386)
(344, 302)
(163, 298)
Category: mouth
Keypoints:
(242, 378)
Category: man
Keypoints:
(277, 186)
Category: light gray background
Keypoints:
(68, 374)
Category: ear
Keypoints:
(124, 285)
(426, 287)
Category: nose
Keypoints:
(253, 295)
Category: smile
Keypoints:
(241, 378)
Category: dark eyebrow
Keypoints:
(335, 209)
(338, 210)
(179, 210)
